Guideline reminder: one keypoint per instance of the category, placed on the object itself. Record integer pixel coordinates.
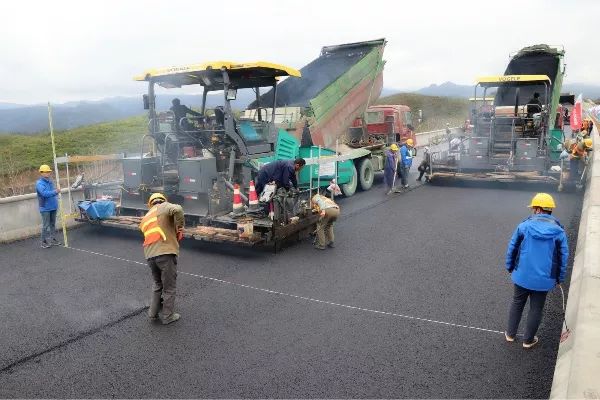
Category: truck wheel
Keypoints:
(348, 189)
(366, 176)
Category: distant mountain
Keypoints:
(34, 119)
(447, 89)
(450, 89)
(9, 106)
(589, 91)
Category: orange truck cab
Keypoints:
(393, 121)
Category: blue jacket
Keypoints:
(406, 156)
(280, 171)
(537, 253)
(46, 195)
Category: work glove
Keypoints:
(180, 235)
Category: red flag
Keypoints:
(576, 114)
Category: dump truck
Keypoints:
(329, 120)
(518, 137)
(200, 162)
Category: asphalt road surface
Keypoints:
(411, 303)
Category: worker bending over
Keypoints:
(282, 172)
(579, 151)
(163, 229)
(329, 212)
(536, 258)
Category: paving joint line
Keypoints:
(310, 299)
(64, 343)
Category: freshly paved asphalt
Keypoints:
(74, 324)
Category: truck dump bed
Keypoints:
(335, 88)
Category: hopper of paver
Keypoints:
(335, 89)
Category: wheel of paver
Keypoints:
(348, 189)
(366, 175)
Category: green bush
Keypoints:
(437, 111)
(28, 152)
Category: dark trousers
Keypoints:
(404, 175)
(574, 169)
(164, 274)
(48, 225)
(536, 308)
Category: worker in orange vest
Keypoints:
(163, 229)
(579, 151)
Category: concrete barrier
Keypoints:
(424, 138)
(577, 372)
(20, 217)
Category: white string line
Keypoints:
(275, 292)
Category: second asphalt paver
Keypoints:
(434, 253)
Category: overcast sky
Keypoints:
(73, 50)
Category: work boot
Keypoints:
(532, 343)
(319, 247)
(155, 306)
(509, 338)
(55, 242)
(171, 318)
(331, 245)
(46, 245)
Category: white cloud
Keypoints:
(71, 50)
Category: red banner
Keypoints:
(576, 114)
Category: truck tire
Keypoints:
(366, 175)
(348, 189)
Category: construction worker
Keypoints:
(590, 127)
(406, 156)
(579, 151)
(534, 105)
(282, 172)
(48, 204)
(329, 212)
(163, 229)
(181, 112)
(390, 167)
(425, 166)
(536, 258)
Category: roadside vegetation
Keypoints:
(21, 155)
(437, 111)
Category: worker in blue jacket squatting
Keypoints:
(406, 156)
(390, 167)
(282, 172)
(537, 261)
(48, 204)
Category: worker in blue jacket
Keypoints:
(282, 172)
(48, 204)
(537, 261)
(406, 156)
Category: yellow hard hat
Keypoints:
(45, 168)
(154, 197)
(542, 200)
(394, 147)
(410, 142)
(588, 143)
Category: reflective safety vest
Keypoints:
(150, 228)
(321, 203)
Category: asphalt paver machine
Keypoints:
(197, 161)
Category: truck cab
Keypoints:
(390, 122)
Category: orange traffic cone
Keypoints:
(253, 199)
(238, 206)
